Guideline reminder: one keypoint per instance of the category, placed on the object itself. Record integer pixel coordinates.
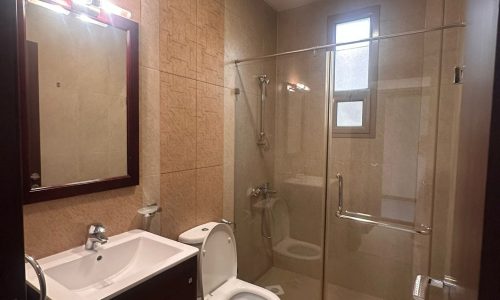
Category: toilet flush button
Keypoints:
(229, 240)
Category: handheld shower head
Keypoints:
(264, 79)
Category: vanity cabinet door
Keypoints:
(178, 283)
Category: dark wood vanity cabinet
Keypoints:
(177, 283)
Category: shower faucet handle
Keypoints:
(262, 190)
(267, 188)
(269, 191)
(255, 192)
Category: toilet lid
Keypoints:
(218, 258)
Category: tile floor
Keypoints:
(299, 287)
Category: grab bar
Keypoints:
(39, 273)
(372, 220)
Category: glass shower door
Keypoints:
(280, 237)
(381, 176)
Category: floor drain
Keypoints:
(276, 289)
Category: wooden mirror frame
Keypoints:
(97, 185)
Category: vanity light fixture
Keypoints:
(53, 7)
(90, 11)
(111, 8)
(88, 7)
(95, 8)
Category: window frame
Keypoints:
(368, 95)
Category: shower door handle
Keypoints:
(422, 283)
(372, 220)
(340, 179)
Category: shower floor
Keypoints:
(299, 287)
(295, 285)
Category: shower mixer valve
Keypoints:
(262, 190)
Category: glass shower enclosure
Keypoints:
(345, 155)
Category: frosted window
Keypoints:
(352, 61)
(350, 114)
(352, 31)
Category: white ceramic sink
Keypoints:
(124, 262)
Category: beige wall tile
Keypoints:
(209, 143)
(150, 195)
(178, 199)
(210, 41)
(177, 140)
(149, 122)
(149, 109)
(208, 194)
(178, 37)
(178, 123)
(151, 189)
(191, 57)
(455, 11)
(149, 34)
(178, 92)
(58, 225)
(210, 122)
(210, 98)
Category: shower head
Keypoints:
(264, 79)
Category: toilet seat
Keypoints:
(218, 265)
(235, 289)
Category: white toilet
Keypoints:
(217, 265)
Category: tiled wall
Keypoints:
(181, 133)
(191, 34)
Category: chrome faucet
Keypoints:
(96, 236)
(262, 190)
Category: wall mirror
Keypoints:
(80, 110)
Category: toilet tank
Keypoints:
(195, 236)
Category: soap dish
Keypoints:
(150, 210)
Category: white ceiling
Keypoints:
(280, 5)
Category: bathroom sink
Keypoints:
(124, 262)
